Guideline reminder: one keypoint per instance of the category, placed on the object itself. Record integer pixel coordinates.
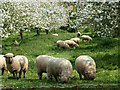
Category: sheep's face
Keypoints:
(66, 75)
(90, 73)
(9, 58)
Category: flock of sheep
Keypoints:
(73, 42)
(59, 68)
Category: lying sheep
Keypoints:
(71, 43)
(86, 37)
(41, 64)
(16, 64)
(60, 68)
(2, 64)
(55, 34)
(76, 40)
(62, 44)
(86, 66)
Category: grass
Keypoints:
(103, 50)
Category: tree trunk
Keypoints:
(21, 34)
(38, 33)
(46, 30)
(38, 30)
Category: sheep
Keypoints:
(41, 64)
(86, 66)
(78, 34)
(55, 34)
(3, 64)
(62, 44)
(86, 37)
(71, 43)
(16, 64)
(24, 63)
(60, 68)
(76, 40)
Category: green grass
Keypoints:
(103, 50)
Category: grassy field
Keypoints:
(103, 50)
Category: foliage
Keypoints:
(22, 15)
(102, 16)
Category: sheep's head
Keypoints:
(66, 74)
(9, 57)
(90, 72)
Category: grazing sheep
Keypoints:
(71, 43)
(86, 37)
(78, 34)
(41, 64)
(16, 64)
(76, 40)
(3, 64)
(86, 66)
(60, 68)
(24, 63)
(62, 44)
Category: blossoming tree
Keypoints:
(19, 16)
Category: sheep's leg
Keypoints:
(56, 78)
(40, 75)
(3, 71)
(80, 76)
(24, 72)
(13, 74)
(49, 76)
(20, 73)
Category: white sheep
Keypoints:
(3, 64)
(86, 37)
(76, 40)
(78, 34)
(62, 44)
(71, 43)
(86, 66)
(16, 64)
(24, 63)
(60, 68)
(41, 64)
(55, 34)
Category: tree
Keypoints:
(20, 16)
(102, 16)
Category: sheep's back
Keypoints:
(41, 62)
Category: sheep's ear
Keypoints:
(14, 56)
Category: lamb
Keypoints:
(16, 64)
(60, 68)
(41, 64)
(62, 44)
(3, 64)
(71, 43)
(86, 37)
(86, 66)
(76, 40)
